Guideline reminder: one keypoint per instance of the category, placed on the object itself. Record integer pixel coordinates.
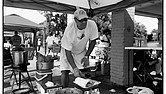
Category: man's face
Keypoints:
(81, 24)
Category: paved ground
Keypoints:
(106, 87)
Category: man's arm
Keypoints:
(77, 72)
(85, 59)
(90, 47)
(70, 59)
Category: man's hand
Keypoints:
(85, 61)
(77, 72)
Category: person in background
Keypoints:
(7, 44)
(16, 41)
(109, 38)
(157, 62)
(57, 38)
(6, 52)
(26, 42)
(74, 57)
(104, 38)
(39, 43)
(57, 43)
(158, 66)
(30, 44)
(49, 42)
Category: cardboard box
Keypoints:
(43, 89)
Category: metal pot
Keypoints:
(20, 57)
(44, 65)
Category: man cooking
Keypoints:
(74, 55)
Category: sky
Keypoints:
(35, 16)
(150, 23)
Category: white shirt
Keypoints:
(7, 45)
(50, 40)
(39, 42)
(56, 40)
(72, 42)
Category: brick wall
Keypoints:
(122, 36)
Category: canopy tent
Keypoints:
(15, 22)
(64, 6)
(149, 8)
(93, 7)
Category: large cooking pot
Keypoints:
(20, 57)
(44, 62)
(44, 65)
(69, 91)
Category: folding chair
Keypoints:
(143, 67)
(137, 70)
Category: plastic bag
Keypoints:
(139, 90)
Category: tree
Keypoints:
(55, 21)
(103, 22)
(139, 30)
(155, 34)
(154, 31)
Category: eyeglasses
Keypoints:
(82, 20)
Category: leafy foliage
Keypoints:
(155, 34)
(55, 21)
(58, 22)
(139, 30)
(154, 31)
(103, 22)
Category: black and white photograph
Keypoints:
(82, 47)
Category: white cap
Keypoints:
(80, 14)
